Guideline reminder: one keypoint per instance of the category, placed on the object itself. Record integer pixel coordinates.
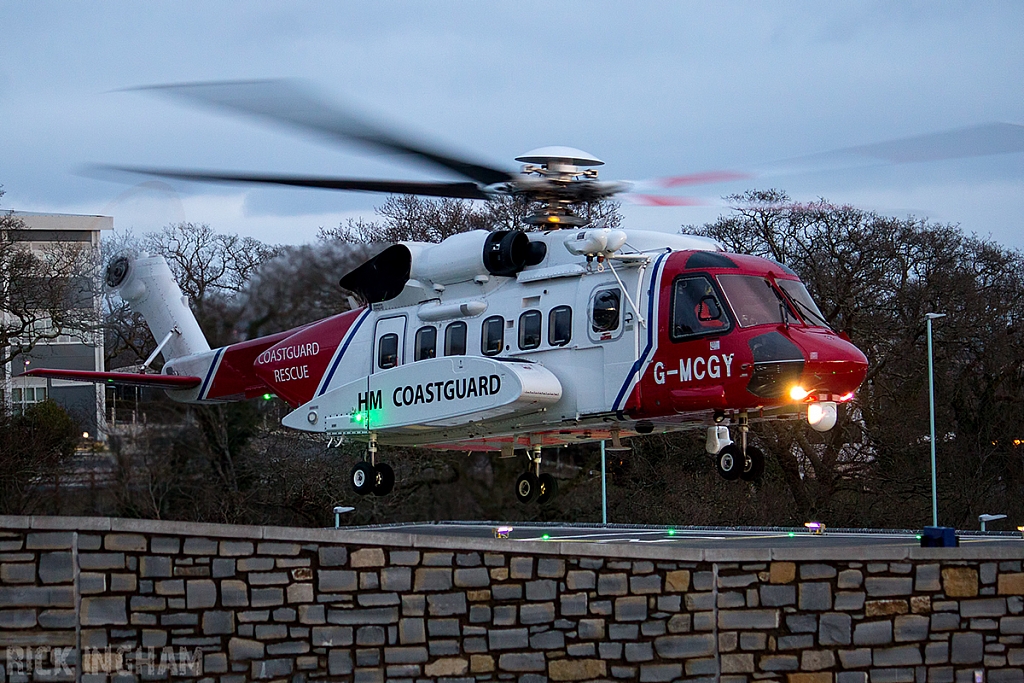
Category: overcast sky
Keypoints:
(652, 88)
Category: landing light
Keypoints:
(798, 393)
(847, 397)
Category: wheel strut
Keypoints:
(535, 450)
(744, 428)
(371, 448)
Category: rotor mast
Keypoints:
(553, 175)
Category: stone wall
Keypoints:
(159, 599)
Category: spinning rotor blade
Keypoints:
(460, 190)
(290, 103)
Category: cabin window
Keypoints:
(559, 326)
(492, 337)
(387, 351)
(426, 343)
(529, 330)
(455, 339)
(605, 314)
(696, 308)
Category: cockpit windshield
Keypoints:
(753, 300)
(798, 294)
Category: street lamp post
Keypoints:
(604, 487)
(931, 414)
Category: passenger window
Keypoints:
(529, 330)
(426, 343)
(560, 326)
(387, 351)
(696, 309)
(492, 337)
(605, 317)
(455, 339)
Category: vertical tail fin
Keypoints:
(149, 288)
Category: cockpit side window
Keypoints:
(697, 309)
(753, 300)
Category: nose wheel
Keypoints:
(373, 477)
(735, 461)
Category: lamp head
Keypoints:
(934, 316)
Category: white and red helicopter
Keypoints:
(509, 341)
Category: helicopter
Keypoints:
(509, 341)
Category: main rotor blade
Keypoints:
(293, 104)
(961, 143)
(459, 190)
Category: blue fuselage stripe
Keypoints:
(341, 353)
(652, 328)
(210, 372)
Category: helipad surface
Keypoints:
(690, 537)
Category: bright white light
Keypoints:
(822, 415)
(85, 435)
(798, 393)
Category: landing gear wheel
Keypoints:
(362, 478)
(547, 488)
(729, 462)
(383, 479)
(526, 487)
(753, 465)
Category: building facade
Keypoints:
(84, 402)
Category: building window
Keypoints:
(387, 351)
(560, 326)
(529, 330)
(492, 338)
(455, 339)
(426, 343)
(23, 398)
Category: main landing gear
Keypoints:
(735, 461)
(533, 484)
(372, 477)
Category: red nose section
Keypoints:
(832, 365)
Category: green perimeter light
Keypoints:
(671, 532)
(545, 537)
(791, 534)
(267, 397)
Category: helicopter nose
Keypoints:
(833, 367)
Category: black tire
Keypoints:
(362, 478)
(526, 487)
(383, 479)
(753, 465)
(547, 488)
(729, 462)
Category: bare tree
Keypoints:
(45, 293)
(410, 218)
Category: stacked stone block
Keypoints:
(232, 604)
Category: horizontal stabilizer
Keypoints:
(136, 379)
